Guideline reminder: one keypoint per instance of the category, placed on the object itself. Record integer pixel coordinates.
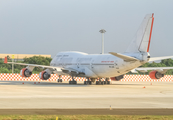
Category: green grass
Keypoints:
(84, 117)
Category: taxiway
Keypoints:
(118, 95)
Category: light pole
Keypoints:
(102, 31)
(12, 64)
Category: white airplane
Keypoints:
(112, 65)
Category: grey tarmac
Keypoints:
(123, 97)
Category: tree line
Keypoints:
(40, 60)
(162, 63)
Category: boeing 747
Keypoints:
(113, 65)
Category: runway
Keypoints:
(119, 95)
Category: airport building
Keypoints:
(21, 56)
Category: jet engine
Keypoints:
(118, 78)
(155, 75)
(25, 72)
(44, 75)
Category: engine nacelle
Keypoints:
(25, 72)
(118, 78)
(44, 75)
(155, 75)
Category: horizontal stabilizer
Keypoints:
(134, 71)
(160, 58)
(124, 57)
(159, 69)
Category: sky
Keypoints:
(52, 26)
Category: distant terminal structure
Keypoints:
(21, 56)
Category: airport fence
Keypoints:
(54, 77)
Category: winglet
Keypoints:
(5, 60)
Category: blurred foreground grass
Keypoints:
(84, 117)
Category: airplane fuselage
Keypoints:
(93, 65)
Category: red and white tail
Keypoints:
(141, 41)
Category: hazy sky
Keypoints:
(51, 26)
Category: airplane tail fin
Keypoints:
(141, 41)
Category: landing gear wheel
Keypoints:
(102, 82)
(98, 82)
(59, 80)
(72, 82)
(90, 82)
(87, 82)
(108, 82)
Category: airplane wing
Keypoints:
(145, 69)
(128, 58)
(160, 58)
(33, 65)
(69, 71)
(159, 69)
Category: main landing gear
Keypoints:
(60, 79)
(103, 82)
(88, 82)
(107, 81)
(73, 81)
(100, 82)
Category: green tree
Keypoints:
(163, 63)
(7, 68)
